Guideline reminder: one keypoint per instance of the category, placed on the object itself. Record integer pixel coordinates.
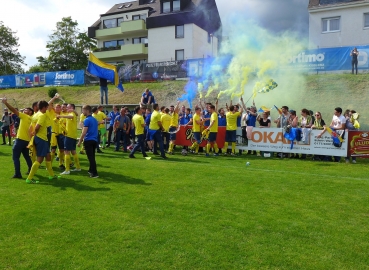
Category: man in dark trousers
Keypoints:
(103, 90)
(89, 139)
(354, 55)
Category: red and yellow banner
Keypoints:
(358, 144)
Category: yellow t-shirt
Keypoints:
(72, 126)
(63, 123)
(101, 116)
(23, 130)
(174, 120)
(35, 118)
(214, 117)
(196, 127)
(43, 122)
(165, 121)
(82, 118)
(50, 115)
(138, 121)
(155, 118)
(232, 120)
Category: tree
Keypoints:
(68, 48)
(10, 59)
(36, 69)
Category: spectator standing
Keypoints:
(354, 59)
(123, 126)
(7, 122)
(103, 90)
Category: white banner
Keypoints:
(272, 140)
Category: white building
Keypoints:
(336, 23)
(157, 30)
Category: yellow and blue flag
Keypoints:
(103, 70)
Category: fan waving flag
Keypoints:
(103, 70)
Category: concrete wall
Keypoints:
(352, 31)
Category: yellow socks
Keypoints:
(216, 149)
(171, 145)
(67, 163)
(76, 161)
(34, 169)
(52, 156)
(234, 148)
(49, 168)
(208, 148)
(225, 147)
(61, 157)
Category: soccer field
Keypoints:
(187, 212)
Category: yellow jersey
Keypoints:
(63, 124)
(174, 120)
(42, 122)
(232, 120)
(72, 126)
(138, 120)
(101, 116)
(155, 118)
(196, 127)
(214, 117)
(23, 130)
(165, 121)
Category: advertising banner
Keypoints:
(72, 77)
(7, 81)
(329, 59)
(358, 144)
(30, 80)
(272, 140)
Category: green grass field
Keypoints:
(187, 212)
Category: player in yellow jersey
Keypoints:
(155, 129)
(82, 118)
(70, 140)
(213, 128)
(42, 144)
(139, 124)
(165, 120)
(173, 128)
(22, 140)
(196, 129)
(231, 129)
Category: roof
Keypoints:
(322, 3)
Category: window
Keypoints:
(135, 62)
(331, 24)
(139, 17)
(166, 7)
(179, 55)
(176, 5)
(140, 40)
(113, 43)
(111, 23)
(179, 31)
(170, 5)
(366, 19)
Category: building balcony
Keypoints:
(129, 28)
(126, 52)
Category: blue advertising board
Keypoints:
(72, 77)
(7, 81)
(329, 59)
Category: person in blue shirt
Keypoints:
(89, 139)
(186, 117)
(147, 97)
(112, 116)
(222, 120)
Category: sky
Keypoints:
(35, 20)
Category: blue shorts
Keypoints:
(42, 147)
(70, 144)
(172, 136)
(60, 139)
(197, 137)
(212, 137)
(230, 136)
